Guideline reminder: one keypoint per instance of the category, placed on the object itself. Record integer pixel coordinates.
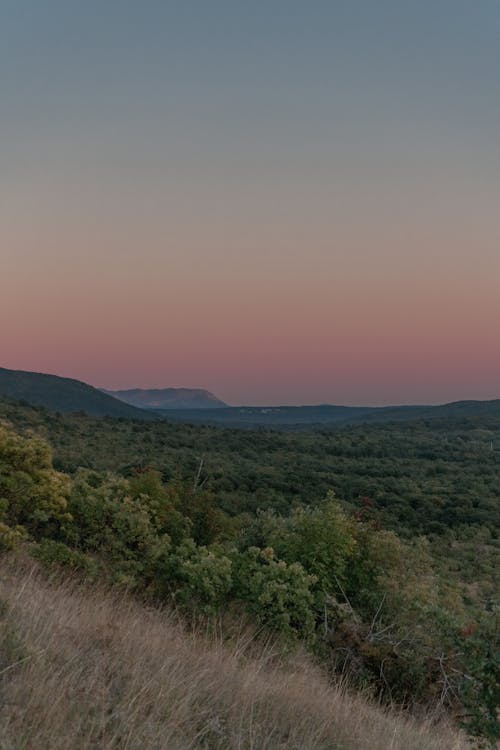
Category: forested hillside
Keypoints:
(64, 394)
(422, 477)
(375, 547)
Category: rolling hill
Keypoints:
(64, 395)
(303, 417)
(202, 407)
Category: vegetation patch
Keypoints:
(377, 607)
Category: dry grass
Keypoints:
(87, 669)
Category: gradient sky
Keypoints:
(281, 201)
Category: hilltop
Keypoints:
(64, 394)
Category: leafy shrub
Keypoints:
(52, 553)
(320, 538)
(164, 504)
(480, 683)
(11, 536)
(33, 496)
(387, 575)
(278, 594)
(196, 577)
(106, 519)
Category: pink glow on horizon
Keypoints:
(283, 339)
(393, 309)
(278, 204)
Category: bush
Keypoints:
(107, 520)
(278, 595)
(321, 539)
(52, 553)
(33, 496)
(197, 577)
(480, 683)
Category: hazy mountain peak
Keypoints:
(169, 398)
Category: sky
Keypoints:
(283, 202)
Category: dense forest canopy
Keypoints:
(423, 477)
(375, 545)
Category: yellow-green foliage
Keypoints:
(321, 538)
(197, 577)
(384, 565)
(33, 496)
(110, 520)
(58, 555)
(278, 594)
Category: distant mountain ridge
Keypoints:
(169, 398)
(200, 406)
(64, 395)
(326, 415)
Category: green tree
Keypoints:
(277, 594)
(197, 578)
(33, 496)
(109, 521)
(321, 539)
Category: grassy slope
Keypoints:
(86, 669)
